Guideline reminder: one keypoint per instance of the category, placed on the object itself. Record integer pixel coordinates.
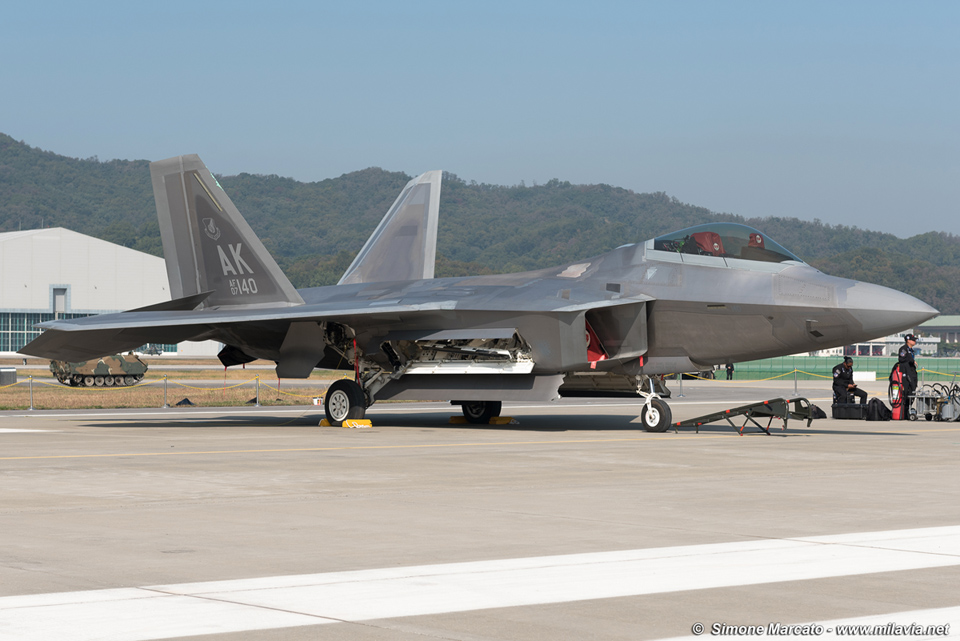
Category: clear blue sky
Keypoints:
(843, 111)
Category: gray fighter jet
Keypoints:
(609, 324)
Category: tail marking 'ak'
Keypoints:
(209, 248)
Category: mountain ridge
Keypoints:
(315, 228)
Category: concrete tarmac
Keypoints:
(93, 501)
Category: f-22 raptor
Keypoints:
(610, 324)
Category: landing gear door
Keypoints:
(622, 329)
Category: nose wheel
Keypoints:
(344, 400)
(656, 416)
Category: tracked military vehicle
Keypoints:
(110, 371)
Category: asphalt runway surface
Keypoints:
(255, 523)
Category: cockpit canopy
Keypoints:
(725, 240)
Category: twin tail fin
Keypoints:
(209, 248)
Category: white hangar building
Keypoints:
(48, 274)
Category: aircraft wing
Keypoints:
(90, 337)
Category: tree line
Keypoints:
(314, 229)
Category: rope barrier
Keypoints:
(812, 374)
(280, 391)
(749, 380)
(760, 380)
(931, 371)
(71, 388)
(149, 383)
(216, 389)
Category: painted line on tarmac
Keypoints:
(164, 611)
(879, 625)
(376, 447)
(647, 437)
(10, 430)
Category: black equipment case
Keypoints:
(854, 411)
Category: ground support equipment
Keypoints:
(938, 402)
(782, 408)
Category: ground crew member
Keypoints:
(843, 385)
(908, 370)
(729, 371)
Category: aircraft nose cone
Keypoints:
(883, 311)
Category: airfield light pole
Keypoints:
(165, 392)
(31, 392)
(680, 375)
(258, 391)
(795, 381)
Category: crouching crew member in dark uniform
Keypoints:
(843, 385)
(908, 370)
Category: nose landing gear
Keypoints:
(656, 415)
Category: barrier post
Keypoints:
(165, 405)
(795, 392)
(680, 395)
(31, 393)
(258, 391)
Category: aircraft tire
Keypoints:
(656, 417)
(480, 412)
(344, 400)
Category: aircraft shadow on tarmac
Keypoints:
(775, 430)
(542, 423)
(526, 424)
(208, 423)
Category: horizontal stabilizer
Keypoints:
(67, 346)
(404, 244)
(177, 304)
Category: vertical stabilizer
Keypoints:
(207, 245)
(404, 244)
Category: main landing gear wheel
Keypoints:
(481, 411)
(656, 417)
(344, 400)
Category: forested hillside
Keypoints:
(314, 229)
